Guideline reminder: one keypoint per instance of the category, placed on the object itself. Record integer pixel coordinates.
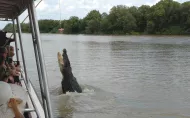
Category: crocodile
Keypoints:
(69, 82)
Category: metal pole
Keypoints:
(35, 50)
(21, 47)
(16, 44)
(37, 60)
(24, 64)
(41, 59)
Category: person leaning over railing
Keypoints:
(15, 68)
(10, 59)
(4, 75)
(4, 67)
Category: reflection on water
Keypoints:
(134, 77)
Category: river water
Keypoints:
(121, 76)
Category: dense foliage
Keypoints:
(165, 17)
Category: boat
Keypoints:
(10, 10)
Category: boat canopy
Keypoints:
(10, 9)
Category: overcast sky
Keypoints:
(49, 9)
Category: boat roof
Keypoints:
(10, 9)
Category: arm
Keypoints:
(18, 68)
(14, 72)
(15, 108)
(14, 67)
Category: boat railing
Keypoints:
(33, 98)
(40, 63)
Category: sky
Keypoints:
(64, 9)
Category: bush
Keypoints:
(135, 33)
(173, 30)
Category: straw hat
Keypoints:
(8, 91)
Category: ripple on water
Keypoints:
(85, 102)
(133, 77)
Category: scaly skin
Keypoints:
(69, 82)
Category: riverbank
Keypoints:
(151, 35)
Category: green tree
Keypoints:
(105, 24)
(8, 27)
(144, 12)
(165, 17)
(185, 17)
(72, 25)
(46, 26)
(121, 20)
(25, 27)
(92, 21)
(150, 27)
